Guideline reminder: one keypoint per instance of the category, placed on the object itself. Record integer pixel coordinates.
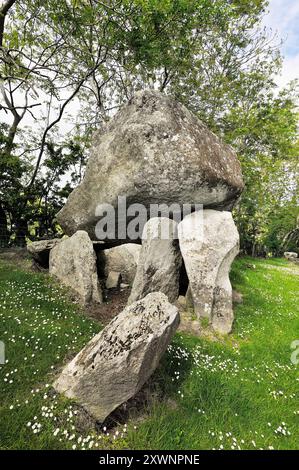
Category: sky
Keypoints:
(283, 18)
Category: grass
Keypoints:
(238, 392)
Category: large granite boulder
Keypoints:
(209, 242)
(73, 262)
(153, 151)
(159, 261)
(117, 362)
(40, 250)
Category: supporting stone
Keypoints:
(209, 242)
(73, 262)
(159, 261)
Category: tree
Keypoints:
(266, 139)
(53, 52)
(213, 56)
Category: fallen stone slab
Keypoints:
(118, 361)
(73, 262)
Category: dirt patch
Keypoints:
(114, 303)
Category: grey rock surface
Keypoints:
(117, 362)
(290, 255)
(40, 250)
(122, 258)
(209, 242)
(154, 151)
(73, 262)
(159, 261)
(113, 280)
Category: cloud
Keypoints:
(283, 19)
(290, 71)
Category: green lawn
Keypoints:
(241, 392)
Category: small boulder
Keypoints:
(290, 255)
(117, 362)
(122, 259)
(113, 280)
(73, 262)
(40, 250)
(159, 261)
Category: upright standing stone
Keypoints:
(209, 242)
(159, 260)
(73, 262)
(117, 362)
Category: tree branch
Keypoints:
(53, 123)
(3, 12)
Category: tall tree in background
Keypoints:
(52, 53)
(212, 55)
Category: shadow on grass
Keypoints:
(238, 271)
(159, 388)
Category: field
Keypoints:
(237, 393)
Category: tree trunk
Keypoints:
(21, 232)
(4, 233)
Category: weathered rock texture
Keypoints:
(208, 254)
(122, 259)
(159, 261)
(113, 280)
(290, 255)
(153, 151)
(73, 262)
(118, 361)
(40, 251)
